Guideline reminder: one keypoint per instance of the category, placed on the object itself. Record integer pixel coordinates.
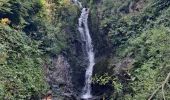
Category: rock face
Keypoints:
(59, 79)
(61, 72)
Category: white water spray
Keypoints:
(85, 36)
(77, 3)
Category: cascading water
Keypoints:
(85, 36)
(77, 3)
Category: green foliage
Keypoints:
(21, 73)
(19, 11)
(5, 6)
(54, 30)
(142, 35)
(151, 51)
(28, 35)
(102, 80)
(145, 82)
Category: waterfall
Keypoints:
(77, 3)
(85, 36)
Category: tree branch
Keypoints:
(168, 85)
(161, 86)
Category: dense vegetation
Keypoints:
(30, 33)
(138, 31)
(131, 40)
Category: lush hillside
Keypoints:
(131, 43)
(28, 38)
(138, 33)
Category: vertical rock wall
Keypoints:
(59, 79)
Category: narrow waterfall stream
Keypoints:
(85, 36)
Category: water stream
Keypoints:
(85, 36)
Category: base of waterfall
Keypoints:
(86, 96)
(90, 97)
